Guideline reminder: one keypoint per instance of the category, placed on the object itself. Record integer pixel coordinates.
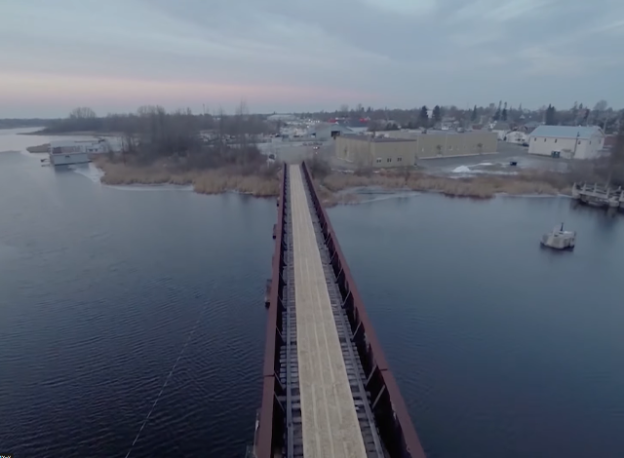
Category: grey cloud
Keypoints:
(395, 52)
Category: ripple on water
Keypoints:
(97, 302)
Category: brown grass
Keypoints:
(265, 182)
(481, 187)
(209, 181)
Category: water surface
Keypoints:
(500, 348)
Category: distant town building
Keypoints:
(326, 131)
(531, 126)
(500, 128)
(566, 141)
(517, 137)
(403, 148)
(281, 117)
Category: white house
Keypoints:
(516, 137)
(566, 141)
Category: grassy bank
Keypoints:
(335, 186)
(262, 183)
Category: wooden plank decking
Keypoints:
(330, 423)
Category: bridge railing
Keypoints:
(392, 418)
(270, 419)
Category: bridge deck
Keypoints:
(329, 420)
(327, 388)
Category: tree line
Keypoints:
(179, 138)
(84, 119)
(385, 118)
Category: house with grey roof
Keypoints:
(572, 142)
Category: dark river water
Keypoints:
(501, 349)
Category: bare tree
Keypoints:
(601, 105)
(82, 113)
(240, 120)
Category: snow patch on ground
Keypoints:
(462, 169)
(465, 170)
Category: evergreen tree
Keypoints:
(424, 116)
(437, 114)
(473, 117)
(504, 114)
(550, 116)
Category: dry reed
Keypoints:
(209, 181)
(481, 187)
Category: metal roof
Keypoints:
(325, 126)
(368, 138)
(584, 132)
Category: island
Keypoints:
(227, 153)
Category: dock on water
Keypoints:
(598, 195)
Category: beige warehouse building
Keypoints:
(402, 148)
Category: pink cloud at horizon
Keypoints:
(37, 89)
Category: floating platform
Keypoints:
(558, 239)
(598, 195)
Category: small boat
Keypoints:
(559, 239)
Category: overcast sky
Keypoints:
(294, 55)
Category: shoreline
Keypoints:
(335, 188)
(77, 133)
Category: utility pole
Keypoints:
(578, 134)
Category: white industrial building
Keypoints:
(566, 141)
